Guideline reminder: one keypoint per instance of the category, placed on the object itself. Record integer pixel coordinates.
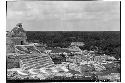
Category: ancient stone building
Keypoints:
(77, 44)
(17, 36)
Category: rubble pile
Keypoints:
(111, 77)
(36, 65)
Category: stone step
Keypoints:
(34, 59)
(47, 66)
(38, 65)
(40, 62)
(25, 56)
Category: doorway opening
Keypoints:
(21, 42)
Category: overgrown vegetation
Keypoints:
(108, 42)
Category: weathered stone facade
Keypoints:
(17, 36)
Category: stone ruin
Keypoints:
(29, 55)
(17, 36)
(35, 61)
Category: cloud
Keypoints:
(64, 15)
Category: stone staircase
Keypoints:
(35, 61)
(31, 57)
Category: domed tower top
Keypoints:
(19, 24)
(18, 31)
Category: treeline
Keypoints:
(107, 41)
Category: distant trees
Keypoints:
(107, 41)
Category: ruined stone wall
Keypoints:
(17, 36)
(9, 45)
(18, 40)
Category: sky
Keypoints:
(64, 15)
